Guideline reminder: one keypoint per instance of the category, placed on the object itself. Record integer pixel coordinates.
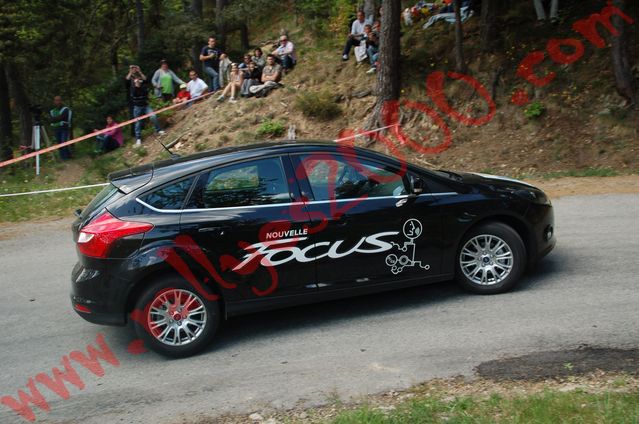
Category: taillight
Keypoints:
(96, 239)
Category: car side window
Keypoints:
(258, 182)
(338, 177)
(171, 196)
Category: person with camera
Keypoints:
(134, 73)
(140, 99)
(61, 123)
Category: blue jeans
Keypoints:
(215, 78)
(373, 55)
(62, 135)
(143, 110)
(288, 62)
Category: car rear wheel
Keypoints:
(491, 259)
(174, 320)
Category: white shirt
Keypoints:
(358, 27)
(196, 87)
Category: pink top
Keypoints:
(116, 133)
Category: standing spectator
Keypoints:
(61, 123)
(253, 77)
(236, 78)
(183, 95)
(258, 58)
(356, 35)
(140, 98)
(210, 56)
(541, 12)
(134, 73)
(111, 139)
(286, 54)
(196, 87)
(163, 80)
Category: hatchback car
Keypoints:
(177, 246)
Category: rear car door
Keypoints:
(239, 217)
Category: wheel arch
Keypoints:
(517, 224)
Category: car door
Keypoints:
(239, 216)
(364, 223)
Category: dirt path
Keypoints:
(575, 186)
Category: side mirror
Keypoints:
(417, 185)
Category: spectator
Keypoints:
(61, 123)
(134, 72)
(372, 51)
(163, 80)
(196, 87)
(225, 69)
(183, 95)
(356, 35)
(210, 56)
(361, 51)
(286, 54)
(111, 139)
(236, 78)
(258, 58)
(140, 98)
(244, 65)
(271, 75)
(253, 77)
(541, 12)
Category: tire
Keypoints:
(490, 259)
(160, 321)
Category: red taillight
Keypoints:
(97, 238)
(82, 308)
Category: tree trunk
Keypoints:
(488, 24)
(388, 72)
(244, 35)
(22, 104)
(155, 14)
(114, 61)
(196, 10)
(369, 9)
(139, 17)
(219, 23)
(624, 80)
(6, 127)
(460, 64)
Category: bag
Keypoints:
(360, 52)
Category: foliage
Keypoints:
(319, 105)
(535, 110)
(271, 128)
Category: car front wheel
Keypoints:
(174, 320)
(491, 259)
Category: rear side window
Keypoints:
(258, 182)
(171, 196)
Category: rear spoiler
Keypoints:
(131, 179)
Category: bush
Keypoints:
(271, 129)
(319, 105)
(535, 110)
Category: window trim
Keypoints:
(167, 184)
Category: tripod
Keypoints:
(37, 134)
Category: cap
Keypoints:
(183, 85)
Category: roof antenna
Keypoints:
(173, 155)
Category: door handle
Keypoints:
(218, 230)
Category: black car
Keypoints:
(178, 245)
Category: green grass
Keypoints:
(546, 407)
(588, 172)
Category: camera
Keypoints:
(36, 112)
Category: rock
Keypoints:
(362, 94)
(270, 421)
(255, 417)
(303, 415)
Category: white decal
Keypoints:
(412, 230)
(287, 233)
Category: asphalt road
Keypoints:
(585, 292)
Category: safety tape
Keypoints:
(363, 133)
(53, 190)
(96, 133)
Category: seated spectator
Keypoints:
(361, 51)
(356, 35)
(236, 77)
(196, 87)
(111, 139)
(271, 75)
(541, 12)
(251, 78)
(163, 80)
(183, 95)
(285, 53)
(245, 63)
(372, 51)
(258, 58)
